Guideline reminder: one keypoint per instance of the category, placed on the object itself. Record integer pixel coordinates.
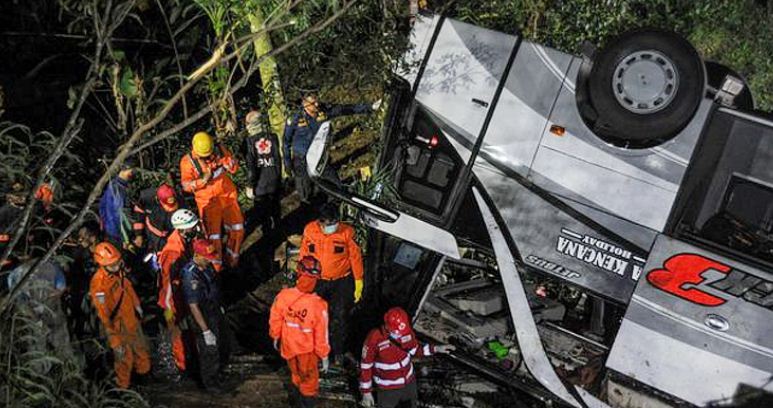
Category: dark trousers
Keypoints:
(210, 358)
(409, 395)
(303, 184)
(339, 295)
(268, 209)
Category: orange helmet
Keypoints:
(106, 254)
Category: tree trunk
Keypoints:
(272, 88)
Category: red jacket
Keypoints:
(387, 361)
(299, 320)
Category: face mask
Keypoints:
(254, 128)
(329, 229)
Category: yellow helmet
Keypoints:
(203, 144)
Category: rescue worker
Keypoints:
(300, 130)
(203, 298)
(116, 213)
(341, 282)
(40, 301)
(118, 307)
(78, 275)
(387, 361)
(264, 173)
(155, 208)
(173, 256)
(203, 172)
(298, 324)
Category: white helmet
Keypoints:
(184, 219)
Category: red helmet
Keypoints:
(106, 254)
(397, 322)
(166, 197)
(309, 265)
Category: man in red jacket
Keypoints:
(386, 360)
(298, 320)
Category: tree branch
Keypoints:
(126, 149)
(68, 134)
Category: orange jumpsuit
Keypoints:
(216, 199)
(299, 321)
(338, 253)
(170, 295)
(117, 305)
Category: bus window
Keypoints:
(431, 168)
(731, 204)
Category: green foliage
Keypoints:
(358, 50)
(34, 374)
(735, 33)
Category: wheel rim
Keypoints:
(645, 82)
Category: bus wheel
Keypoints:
(644, 87)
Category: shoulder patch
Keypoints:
(406, 338)
(100, 297)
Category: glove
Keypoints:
(367, 400)
(276, 344)
(250, 193)
(444, 348)
(358, 284)
(119, 352)
(325, 365)
(169, 315)
(209, 338)
(376, 105)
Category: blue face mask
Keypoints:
(329, 229)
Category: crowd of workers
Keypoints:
(186, 251)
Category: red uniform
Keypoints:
(387, 361)
(216, 199)
(299, 321)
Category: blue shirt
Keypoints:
(112, 205)
(301, 127)
(199, 285)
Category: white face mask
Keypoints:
(329, 229)
(254, 128)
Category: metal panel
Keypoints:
(534, 354)
(552, 238)
(580, 167)
(462, 74)
(421, 36)
(523, 108)
(698, 325)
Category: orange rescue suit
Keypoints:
(170, 295)
(299, 321)
(338, 253)
(117, 305)
(216, 199)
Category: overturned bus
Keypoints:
(595, 230)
